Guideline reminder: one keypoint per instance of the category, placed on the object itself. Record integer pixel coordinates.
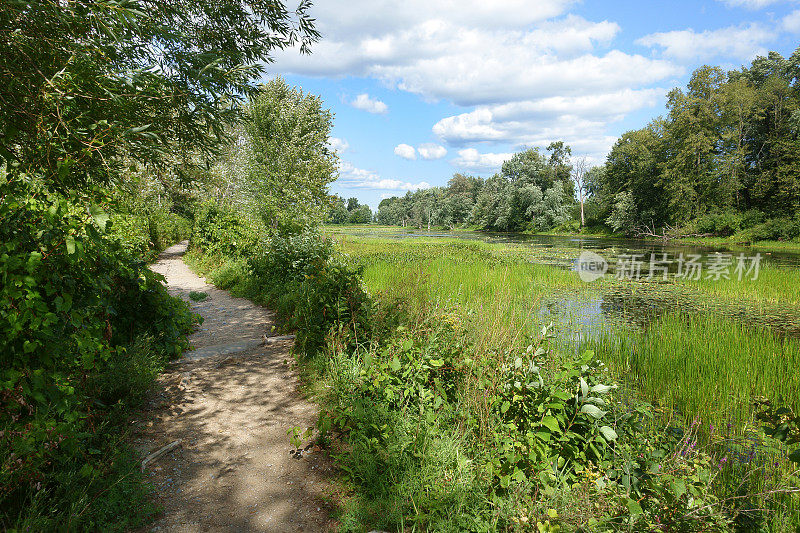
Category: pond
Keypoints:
(636, 304)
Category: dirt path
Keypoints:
(231, 402)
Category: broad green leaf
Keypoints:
(678, 487)
(592, 411)
(633, 506)
(601, 389)
(100, 217)
(551, 423)
(608, 433)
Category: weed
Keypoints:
(196, 296)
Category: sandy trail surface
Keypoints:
(230, 402)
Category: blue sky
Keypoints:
(422, 89)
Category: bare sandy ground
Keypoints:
(231, 402)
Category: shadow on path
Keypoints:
(231, 408)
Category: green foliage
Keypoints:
(90, 82)
(396, 409)
(663, 479)
(196, 296)
(423, 374)
(218, 231)
(347, 212)
(283, 162)
(781, 424)
(550, 429)
(720, 224)
(532, 193)
(315, 289)
(75, 310)
(777, 229)
(727, 146)
(145, 234)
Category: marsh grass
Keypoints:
(706, 367)
(497, 296)
(774, 284)
(705, 349)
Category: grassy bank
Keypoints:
(501, 296)
(448, 410)
(702, 368)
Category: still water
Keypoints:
(632, 304)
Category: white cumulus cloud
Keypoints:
(580, 121)
(371, 105)
(526, 73)
(473, 54)
(739, 42)
(431, 151)
(338, 145)
(352, 177)
(471, 159)
(791, 22)
(405, 151)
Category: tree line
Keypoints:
(726, 154)
(725, 158)
(533, 191)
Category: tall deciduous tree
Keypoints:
(290, 162)
(86, 82)
(580, 168)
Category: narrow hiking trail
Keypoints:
(230, 402)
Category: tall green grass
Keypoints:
(773, 284)
(706, 367)
(705, 364)
(499, 298)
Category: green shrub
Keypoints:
(218, 231)
(776, 229)
(133, 233)
(75, 307)
(313, 288)
(553, 428)
(720, 224)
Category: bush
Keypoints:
(75, 308)
(551, 429)
(219, 232)
(312, 287)
(777, 229)
(719, 224)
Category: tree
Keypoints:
(290, 161)
(634, 166)
(361, 215)
(580, 169)
(86, 82)
(338, 213)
